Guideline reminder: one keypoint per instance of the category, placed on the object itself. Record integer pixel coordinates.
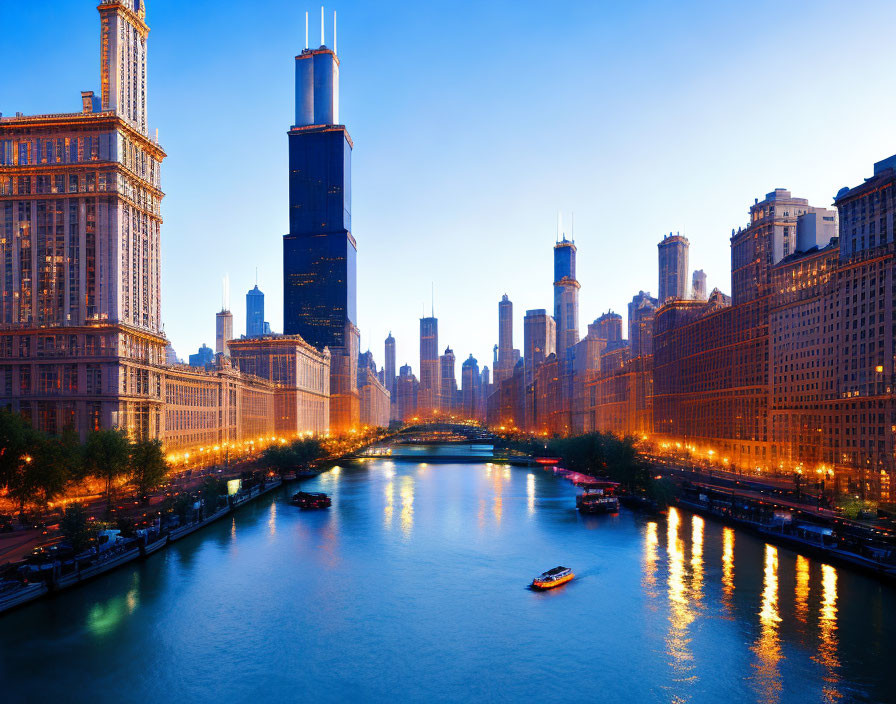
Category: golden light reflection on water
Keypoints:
(697, 558)
(530, 493)
(681, 614)
(389, 508)
(728, 567)
(651, 543)
(498, 496)
(767, 647)
(272, 521)
(801, 589)
(407, 504)
(827, 634)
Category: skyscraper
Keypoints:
(471, 382)
(566, 296)
(80, 227)
(254, 313)
(673, 265)
(609, 327)
(223, 331)
(389, 381)
(698, 285)
(428, 398)
(505, 361)
(539, 340)
(319, 253)
(449, 381)
(641, 298)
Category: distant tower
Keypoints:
(254, 313)
(389, 382)
(470, 387)
(449, 381)
(673, 265)
(566, 296)
(698, 286)
(539, 340)
(504, 364)
(609, 328)
(428, 398)
(223, 331)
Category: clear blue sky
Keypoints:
(474, 123)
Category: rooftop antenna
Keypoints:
(322, 25)
(256, 277)
(306, 30)
(334, 31)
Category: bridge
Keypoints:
(442, 441)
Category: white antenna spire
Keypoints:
(572, 228)
(306, 29)
(322, 25)
(334, 31)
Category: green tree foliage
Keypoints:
(605, 454)
(76, 528)
(148, 467)
(55, 461)
(106, 456)
(211, 489)
(18, 440)
(299, 454)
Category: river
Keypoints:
(413, 587)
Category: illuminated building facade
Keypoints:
(507, 355)
(375, 400)
(471, 388)
(301, 374)
(450, 398)
(406, 386)
(81, 343)
(539, 340)
(223, 331)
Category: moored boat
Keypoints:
(311, 499)
(552, 578)
(599, 497)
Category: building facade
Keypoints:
(566, 296)
(255, 313)
(673, 267)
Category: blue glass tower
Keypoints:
(319, 253)
(254, 313)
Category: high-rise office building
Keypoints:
(204, 357)
(389, 373)
(673, 266)
(319, 253)
(698, 285)
(539, 340)
(80, 225)
(223, 331)
(255, 313)
(429, 395)
(503, 365)
(566, 296)
(449, 381)
(470, 384)
(609, 327)
(406, 390)
(638, 300)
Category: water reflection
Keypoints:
(728, 568)
(801, 589)
(389, 508)
(407, 504)
(530, 493)
(103, 618)
(827, 634)
(767, 647)
(681, 615)
(272, 521)
(651, 544)
(697, 558)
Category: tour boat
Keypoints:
(552, 578)
(311, 499)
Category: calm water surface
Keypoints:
(412, 587)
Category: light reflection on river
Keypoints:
(411, 587)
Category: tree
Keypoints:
(106, 457)
(280, 458)
(75, 527)
(148, 467)
(17, 441)
(54, 463)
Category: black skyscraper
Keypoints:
(319, 253)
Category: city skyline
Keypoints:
(588, 175)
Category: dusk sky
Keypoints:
(473, 124)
